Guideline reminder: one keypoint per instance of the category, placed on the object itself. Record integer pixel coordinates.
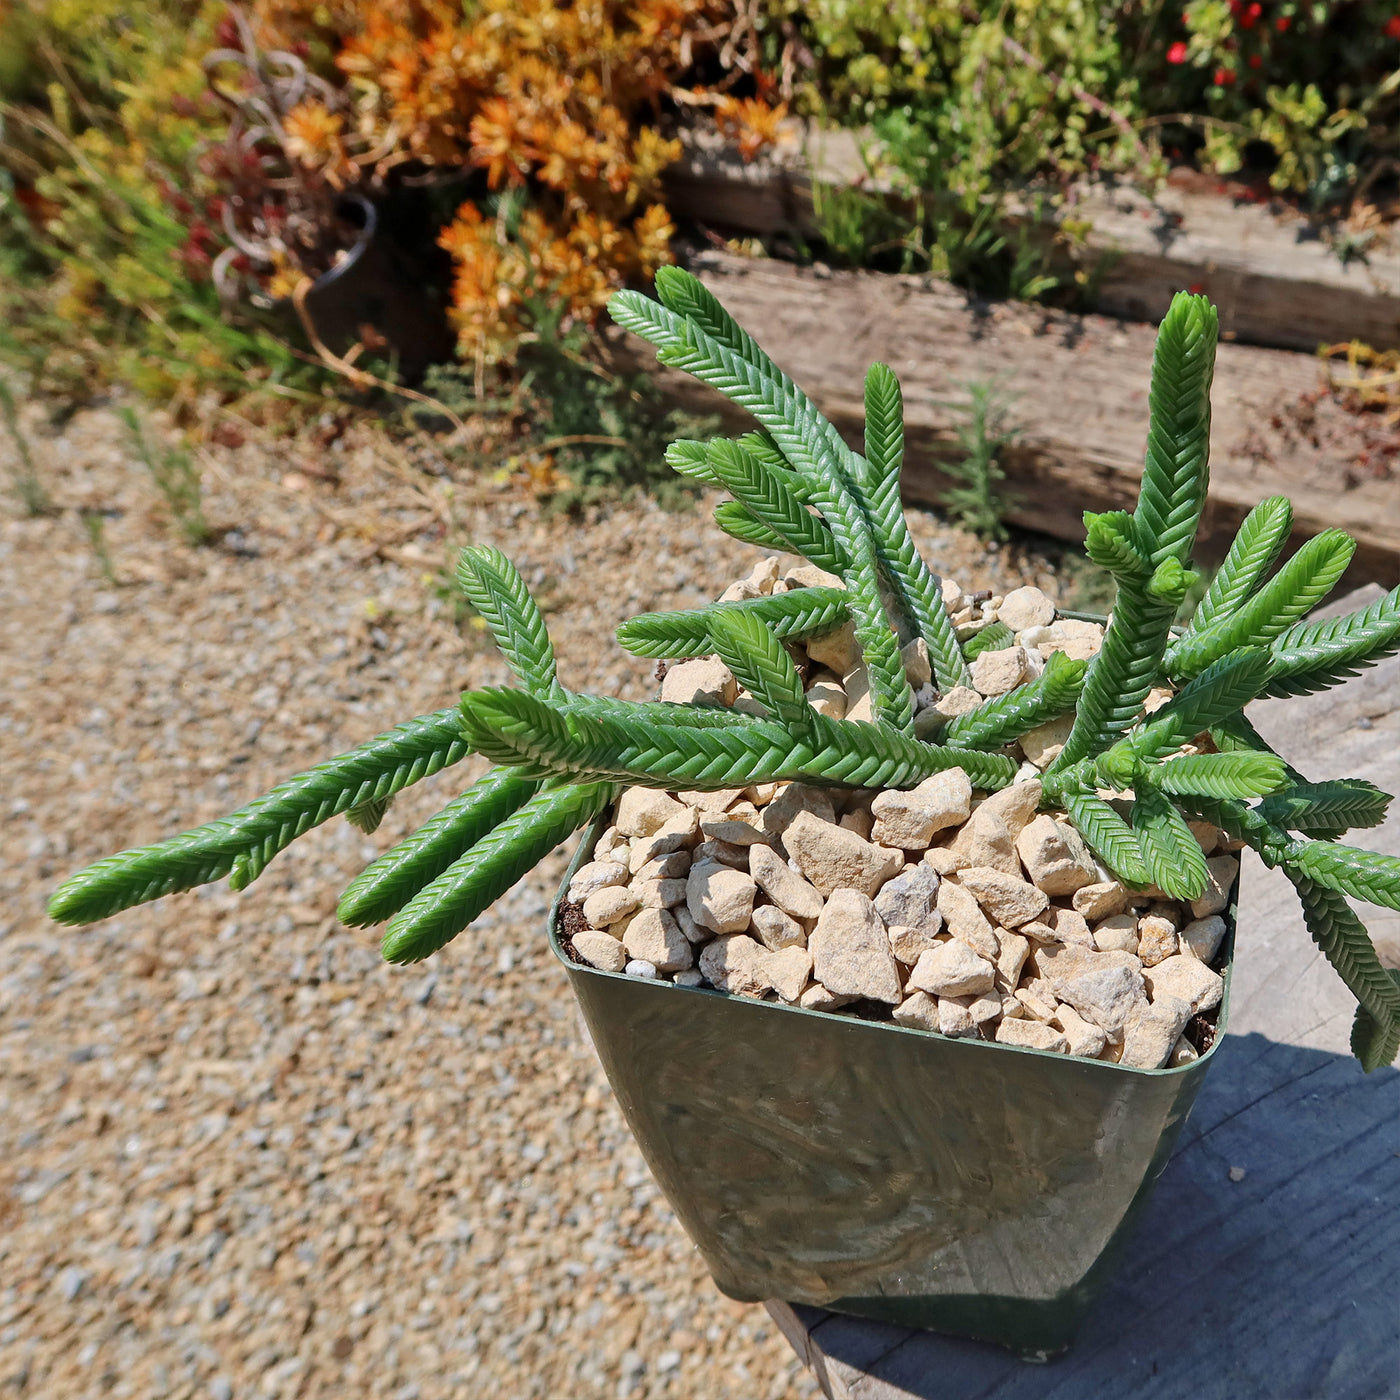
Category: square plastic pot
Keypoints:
(965, 1187)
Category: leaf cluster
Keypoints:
(1158, 734)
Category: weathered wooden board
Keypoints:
(1277, 283)
(1284, 1285)
(1077, 390)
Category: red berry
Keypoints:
(1251, 16)
(1255, 61)
(1282, 23)
(1224, 77)
(1392, 27)
(1177, 53)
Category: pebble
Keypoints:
(718, 897)
(996, 672)
(909, 819)
(706, 681)
(833, 858)
(1055, 856)
(1222, 874)
(1007, 900)
(952, 969)
(1032, 1035)
(601, 950)
(919, 1010)
(596, 875)
(909, 899)
(1026, 607)
(777, 930)
(643, 811)
(788, 890)
(964, 919)
(610, 904)
(1202, 937)
(736, 963)
(653, 936)
(1188, 978)
(850, 949)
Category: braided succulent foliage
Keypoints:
(1128, 780)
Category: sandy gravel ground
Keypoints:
(240, 1157)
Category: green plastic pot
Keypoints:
(965, 1187)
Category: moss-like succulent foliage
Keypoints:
(1129, 780)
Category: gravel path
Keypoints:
(239, 1156)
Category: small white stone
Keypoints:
(1188, 978)
(722, 853)
(720, 898)
(1100, 900)
(954, 1019)
(996, 672)
(1183, 1052)
(961, 700)
(1011, 958)
(789, 971)
(784, 886)
(659, 894)
(596, 875)
(918, 1010)
(694, 934)
(1031, 1035)
(909, 819)
(1156, 940)
(639, 967)
(989, 835)
(851, 951)
(1152, 1031)
(600, 950)
(609, 904)
(1223, 871)
(1055, 856)
(1084, 1038)
(1026, 607)
(826, 696)
(1008, 901)
(809, 576)
(917, 668)
(1078, 640)
(819, 998)
(777, 930)
(736, 964)
(691, 977)
(707, 681)
(952, 592)
(833, 858)
(1042, 745)
(1202, 937)
(1102, 987)
(642, 811)
(741, 825)
(675, 865)
(1118, 934)
(792, 799)
(654, 936)
(860, 821)
(837, 650)
(909, 899)
(908, 943)
(677, 834)
(964, 919)
(1070, 927)
(952, 969)
(711, 803)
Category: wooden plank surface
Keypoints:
(1284, 1285)
(1276, 280)
(1077, 393)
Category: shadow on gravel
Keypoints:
(1281, 1285)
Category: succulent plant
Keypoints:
(1128, 780)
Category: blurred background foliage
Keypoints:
(176, 175)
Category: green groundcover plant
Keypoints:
(1129, 781)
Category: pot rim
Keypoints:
(585, 850)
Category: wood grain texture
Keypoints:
(1276, 281)
(1077, 387)
(1284, 1285)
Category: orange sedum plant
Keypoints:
(557, 102)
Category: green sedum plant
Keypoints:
(1130, 781)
